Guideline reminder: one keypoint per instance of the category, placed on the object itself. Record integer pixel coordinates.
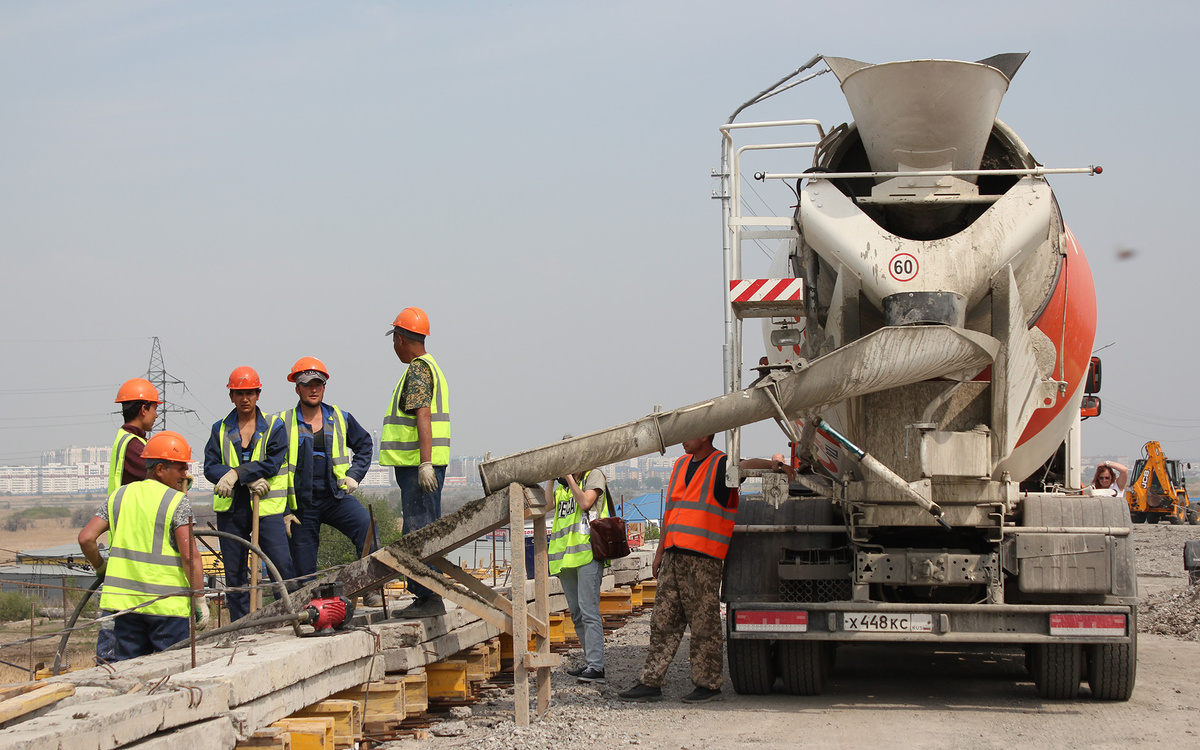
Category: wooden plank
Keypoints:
(270, 738)
(416, 693)
(476, 661)
(493, 657)
(539, 660)
(520, 625)
(447, 680)
(39, 697)
(541, 587)
(444, 535)
(649, 590)
(616, 602)
(382, 700)
(347, 719)
(309, 733)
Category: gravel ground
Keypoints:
(1169, 606)
(592, 716)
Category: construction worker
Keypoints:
(319, 476)
(244, 451)
(139, 409)
(139, 402)
(153, 561)
(577, 500)
(416, 439)
(697, 527)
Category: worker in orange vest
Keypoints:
(697, 527)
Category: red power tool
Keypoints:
(329, 611)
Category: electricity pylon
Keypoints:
(158, 375)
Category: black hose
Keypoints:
(276, 578)
(239, 625)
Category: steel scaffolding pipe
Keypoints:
(887, 358)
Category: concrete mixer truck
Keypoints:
(928, 321)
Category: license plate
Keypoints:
(887, 622)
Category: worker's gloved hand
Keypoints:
(203, 616)
(349, 484)
(260, 487)
(100, 570)
(225, 484)
(288, 520)
(427, 477)
(188, 481)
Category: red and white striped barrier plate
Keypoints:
(766, 290)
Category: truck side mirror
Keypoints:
(1093, 376)
(1089, 407)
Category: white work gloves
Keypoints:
(203, 616)
(260, 487)
(288, 520)
(225, 484)
(427, 477)
(349, 485)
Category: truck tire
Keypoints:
(1137, 517)
(1153, 517)
(1193, 517)
(1112, 669)
(1057, 668)
(1174, 520)
(751, 667)
(803, 665)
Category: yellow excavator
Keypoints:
(1158, 490)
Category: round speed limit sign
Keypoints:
(903, 267)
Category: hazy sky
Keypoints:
(254, 182)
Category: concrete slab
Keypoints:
(118, 721)
(264, 710)
(215, 734)
(269, 667)
(403, 660)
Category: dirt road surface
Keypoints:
(878, 698)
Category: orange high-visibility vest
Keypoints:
(694, 519)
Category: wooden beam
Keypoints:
(39, 697)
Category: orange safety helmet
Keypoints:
(137, 389)
(243, 379)
(305, 364)
(411, 319)
(168, 446)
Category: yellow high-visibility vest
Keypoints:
(571, 534)
(283, 485)
(116, 462)
(398, 444)
(231, 456)
(142, 564)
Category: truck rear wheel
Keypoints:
(1057, 668)
(803, 665)
(1112, 668)
(1137, 517)
(1153, 517)
(751, 668)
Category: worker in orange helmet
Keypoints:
(320, 475)
(156, 586)
(244, 451)
(139, 401)
(416, 439)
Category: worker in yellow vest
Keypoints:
(139, 409)
(153, 574)
(578, 499)
(139, 402)
(243, 452)
(329, 453)
(416, 439)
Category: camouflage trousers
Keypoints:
(688, 596)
